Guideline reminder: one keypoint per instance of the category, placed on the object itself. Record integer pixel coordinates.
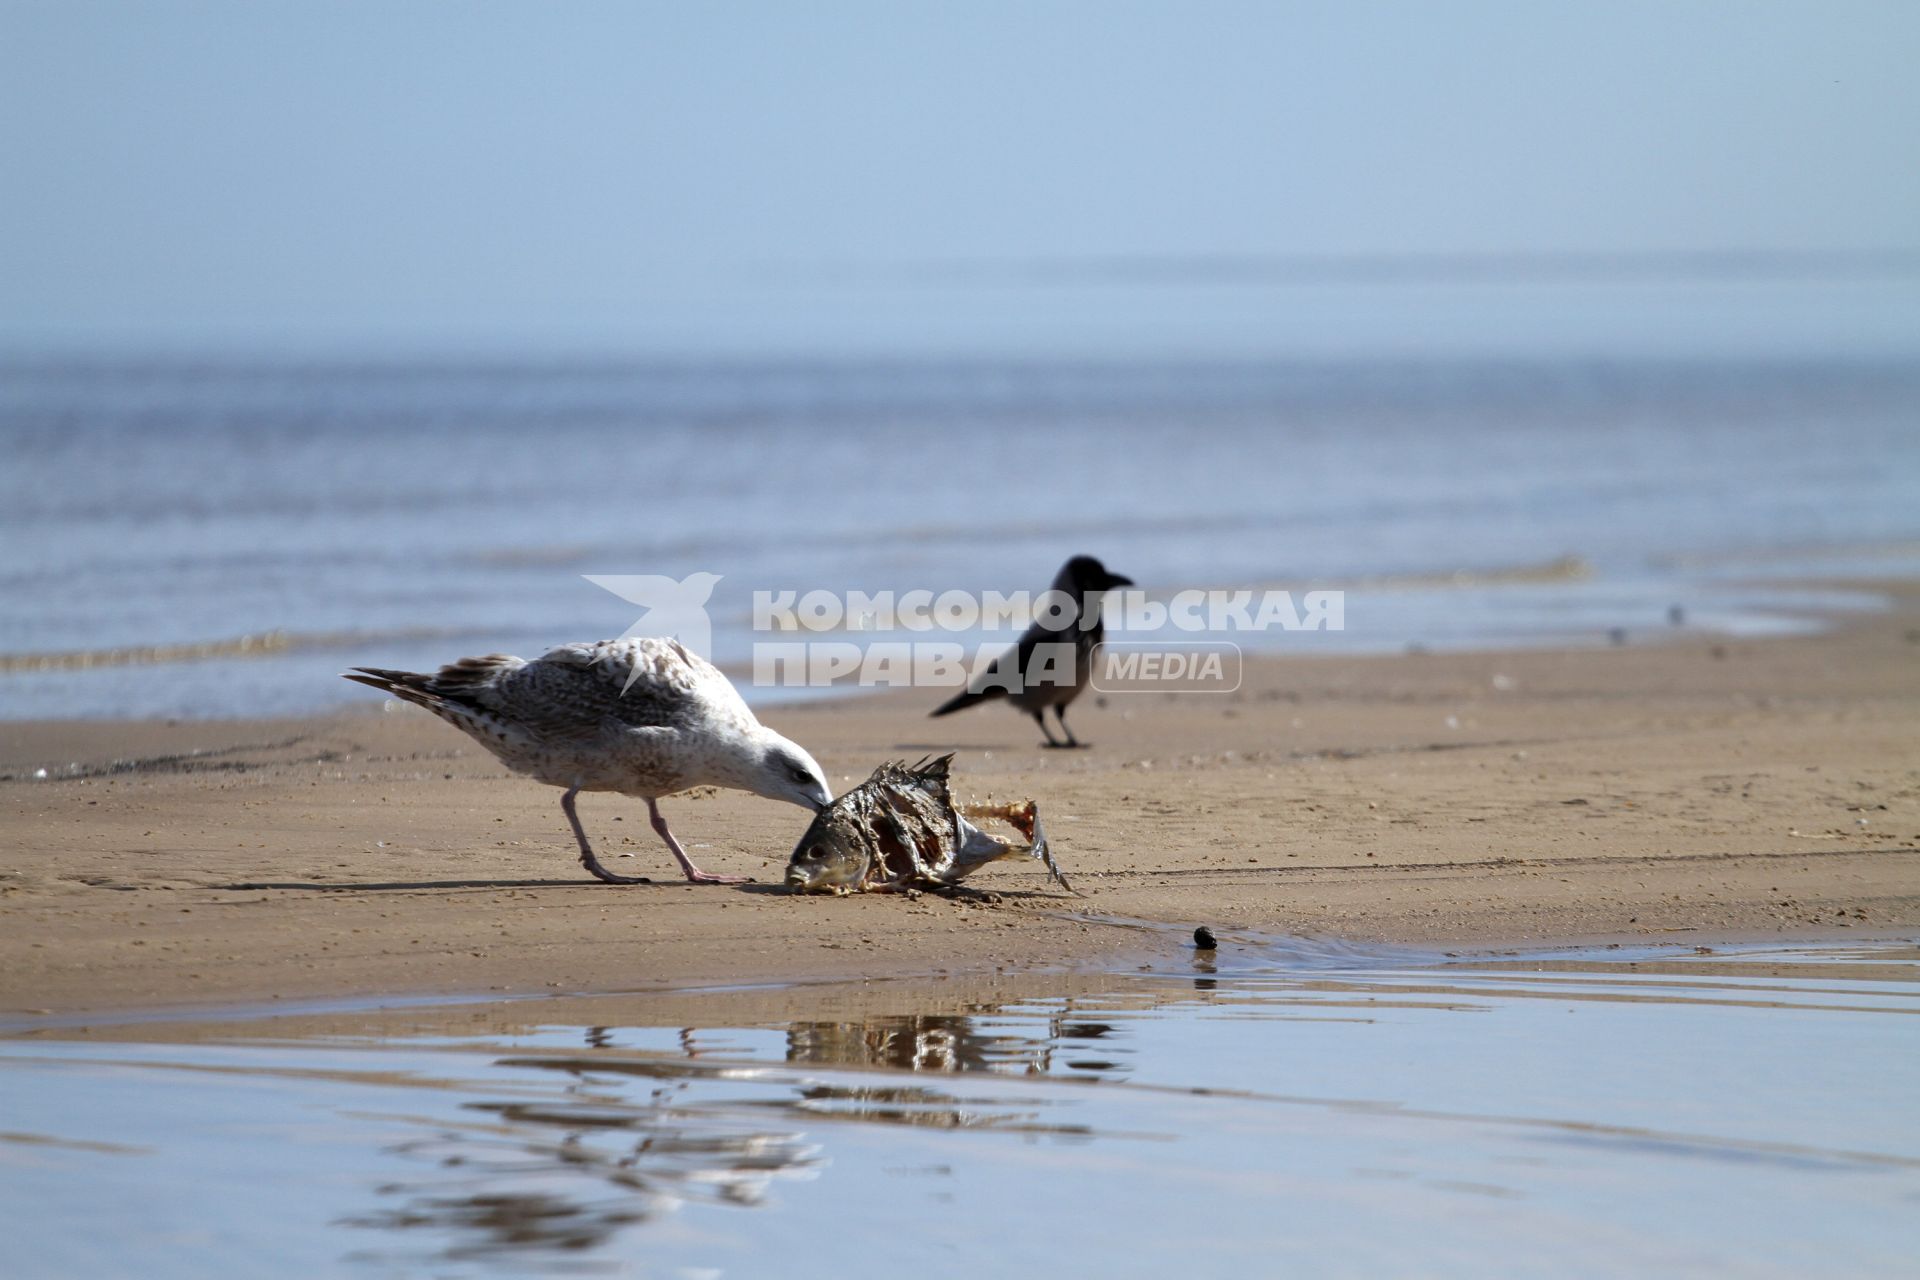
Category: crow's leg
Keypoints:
(1061, 713)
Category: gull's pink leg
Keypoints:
(695, 874)
(587, 859)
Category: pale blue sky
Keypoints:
(765, 177)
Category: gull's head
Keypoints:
(786, 772)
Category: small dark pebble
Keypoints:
(1203, 939)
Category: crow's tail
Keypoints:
(961, 701)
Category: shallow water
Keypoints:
(203, 539)
(1281, 1108)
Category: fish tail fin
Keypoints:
(1044, 851)
(1024, 818)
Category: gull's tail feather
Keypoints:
(457, 692)
(386, 678)
(456, 682)
(412, 686)
(449, 693)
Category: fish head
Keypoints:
(830, 858)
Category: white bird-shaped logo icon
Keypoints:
(672, 607)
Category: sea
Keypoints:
(202, 537)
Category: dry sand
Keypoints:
(1689, 790)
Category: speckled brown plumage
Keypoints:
(644, 717)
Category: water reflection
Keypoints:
(565, 1174)
(1736, 1107)
(642, 1132)
(627, 1139)
(943, 1043)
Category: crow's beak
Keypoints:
(1115, 580)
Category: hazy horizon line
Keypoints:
(1391, 267)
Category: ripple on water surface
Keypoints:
(1275, 1107)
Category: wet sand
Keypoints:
(1691, 790)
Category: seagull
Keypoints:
(642, 716)
(1049, 669)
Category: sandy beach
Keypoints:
(1688, 790)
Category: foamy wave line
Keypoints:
(264, 644)
(1561, 569)
(1567, 568)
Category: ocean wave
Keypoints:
(262, 644)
